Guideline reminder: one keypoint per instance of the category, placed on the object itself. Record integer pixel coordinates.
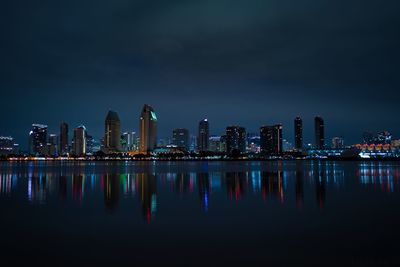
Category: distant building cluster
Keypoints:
(235, 141)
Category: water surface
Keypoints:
(200, 213)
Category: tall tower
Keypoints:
(38, 139)
(298, 133)
(319, 133)
(79, 143)
(235, 139)
(63, 143)
(204, 134)
(271, 139)
(180, 138)
(147, 129)
(112, 134)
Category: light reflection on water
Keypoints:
(237, 180)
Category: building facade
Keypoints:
(38, 139)
(271, 142)
(147, 130)
(319, 128)
(235, 139)
(298, 133)
(63, 147)
(112, 132)
(203, 136)
(79, 141)
(180, 138)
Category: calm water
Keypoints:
(200, 213)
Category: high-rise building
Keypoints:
(298, 133)
(319, 133)
(384, 137)
(79, 141)
(38, 139)
(337, 142)
(235, 139)
(7, 145)
(112, 134)
(63, 148)
(215, 143)
(253, 142)
(147, 130)
(203, 136)
(271, 142)
(52, 145)
(180, 138)
(128, 141)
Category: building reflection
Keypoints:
(111, 191)
(319, 175)
(235, 184)
(62, 187)
(182, 183)
(383, 176)
(299, 187)
(7, 183)
(147, 189)
(78, 182)
(272, 185)
(204, 186)
(37, 189)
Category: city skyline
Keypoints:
(244, 63)
(113, 122)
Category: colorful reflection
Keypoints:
(289, 183)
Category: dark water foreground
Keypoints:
(199, 213)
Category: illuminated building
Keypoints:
(112, 133)
(319, 129)
(38, 139)
(215, 144)
(235, 139)
(253, 142)
(129, 141)
(92, 145)
(384, 138)
(337, 142)
(271, 142)
(298, 133)
(64, 143)
(79, 142)
(180, 138)
(52, 145)
(148, 130)
(111, 191)
(203, 137)
(6, 145)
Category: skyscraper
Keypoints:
(147, 129)
(63, 144)
(38, 139)
(271, 139)
(79, 142)
(180, 138)
(337, 142)
(319, 133)
(235, 139)
(298, 133)
(52, 145)
(112, 133)
(203, 137)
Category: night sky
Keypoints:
(246, 62)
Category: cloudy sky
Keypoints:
(246, 62)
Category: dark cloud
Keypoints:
(247, 62)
